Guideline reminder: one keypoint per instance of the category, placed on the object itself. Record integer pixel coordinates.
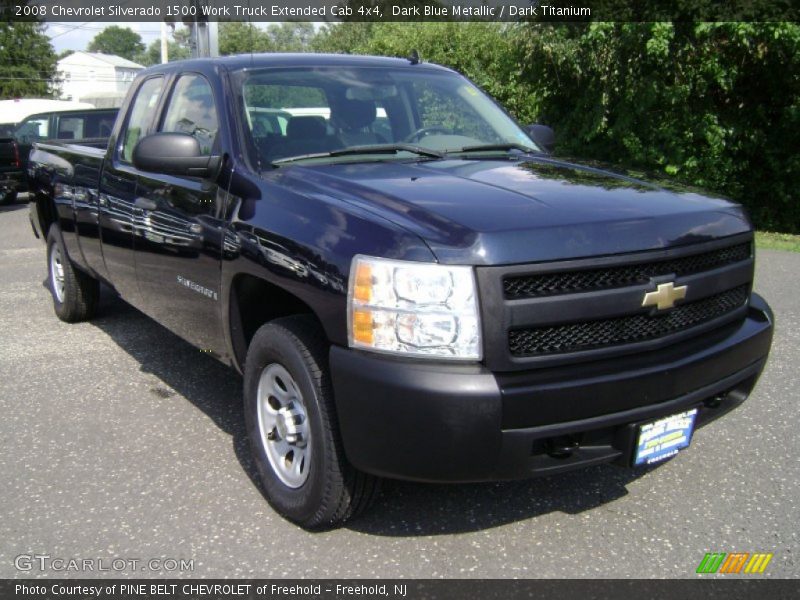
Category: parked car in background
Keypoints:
(83, 125)
(12, 175)
(13, 158)
(14, 111)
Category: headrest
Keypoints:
(355, 114)
(305, 128)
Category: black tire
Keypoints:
(7, 198)
(75, 297)
(334, 491)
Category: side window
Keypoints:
(192, 110)
(70, 128)
(141, 116)
(33, 129)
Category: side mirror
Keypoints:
(543, 135)
(174, 154)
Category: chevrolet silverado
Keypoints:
(411, 283)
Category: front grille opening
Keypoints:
(623, 330)
(570, 282)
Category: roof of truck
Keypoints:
(242, 61)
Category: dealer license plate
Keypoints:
(663, 439)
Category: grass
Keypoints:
(778, 241)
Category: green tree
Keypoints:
(715, 105)
(152, 55)
(178, 48)
(120, 41)
(27, 61)
(291, 37)
(343, 38)
(237, 37)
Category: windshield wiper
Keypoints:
(369, 149)
(492, 147)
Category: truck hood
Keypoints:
(490, 212)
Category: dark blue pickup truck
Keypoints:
(409, 281)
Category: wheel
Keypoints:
(292, 426)
(7, 198)
(75, 293)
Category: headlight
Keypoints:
(413, 309)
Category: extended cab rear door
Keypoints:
(118, 214)
(180, 226)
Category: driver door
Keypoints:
(179, 227)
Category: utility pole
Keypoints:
(203, 34)
(164, 44)
(213, 38)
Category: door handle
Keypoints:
(145, 204)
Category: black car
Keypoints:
(82, 125)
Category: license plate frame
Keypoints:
(661, 439)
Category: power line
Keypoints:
(91, 65)
(123, 3)
(103, 79)
(101, 28)
(71, 29)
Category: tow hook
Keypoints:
(561, 447)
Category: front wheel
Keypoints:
(291, 422)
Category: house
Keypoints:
(94, 75)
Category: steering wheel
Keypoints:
(422, 132)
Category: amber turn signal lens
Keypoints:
(362, 326)
(362, 290)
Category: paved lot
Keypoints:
(118, 440)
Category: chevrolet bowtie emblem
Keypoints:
(665, 296)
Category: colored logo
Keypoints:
(734, 562)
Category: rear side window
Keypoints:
(33, 129)
(144, 106)
(192, 110)
(70, 128)
(85, 126)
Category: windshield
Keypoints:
(295, 112)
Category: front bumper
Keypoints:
(446, 422)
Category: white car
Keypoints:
(14, 111)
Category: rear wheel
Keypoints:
(7, 198)
(291, 423)
(74, 292)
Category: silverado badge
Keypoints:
(665, 296)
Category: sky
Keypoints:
(76, 36)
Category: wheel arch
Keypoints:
(254, 301)
(45, 213)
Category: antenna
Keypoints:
(413, 58)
